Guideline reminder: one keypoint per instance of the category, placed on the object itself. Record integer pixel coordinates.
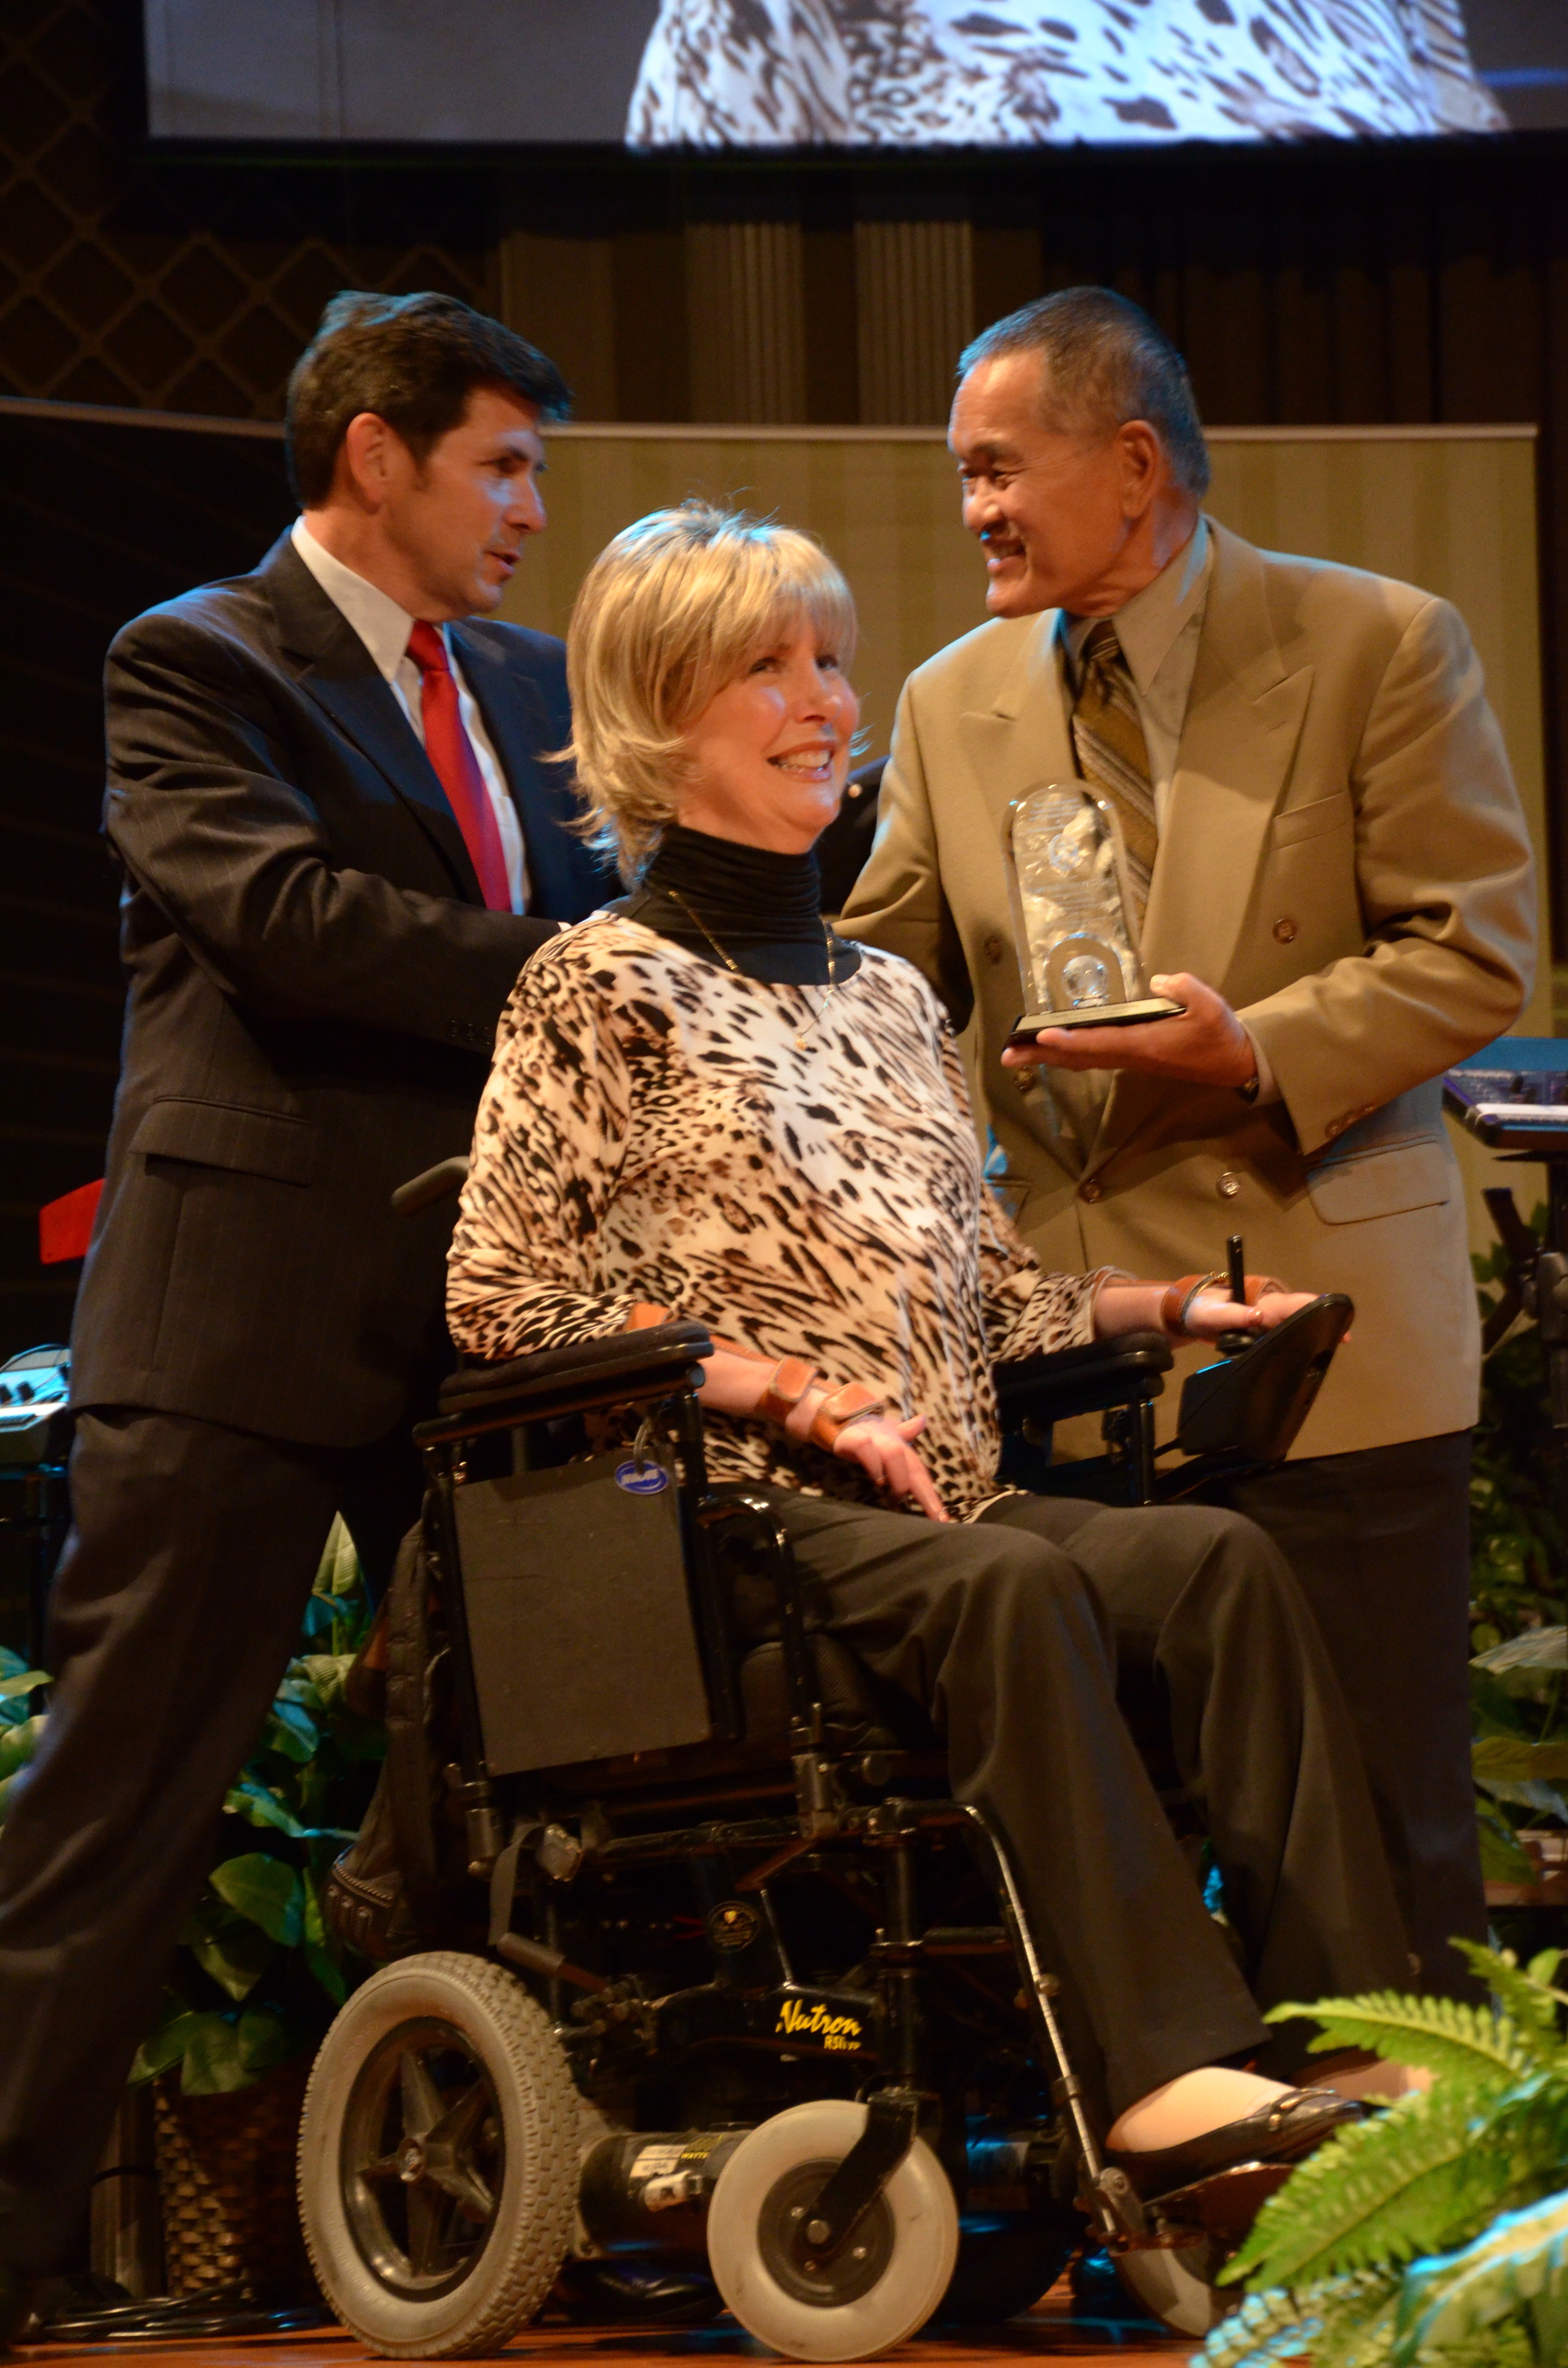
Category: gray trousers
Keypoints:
(175, 1612)
(1380, 1541)
(1012, 1633)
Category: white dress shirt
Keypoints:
(384, 628)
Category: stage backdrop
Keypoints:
(1452, 509)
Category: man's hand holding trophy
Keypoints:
(1073, 918)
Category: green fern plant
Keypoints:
(1435, 2235)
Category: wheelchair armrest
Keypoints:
(586, 1374)
(1049, 1389)
(437, 1183)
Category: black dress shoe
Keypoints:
(613, 2294)
(1282, 2131)
(16, 2290)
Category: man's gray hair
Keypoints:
(1105, 363)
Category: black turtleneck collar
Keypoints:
(764, 909)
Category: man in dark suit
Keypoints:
(331, 797)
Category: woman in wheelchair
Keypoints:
(704, 1104)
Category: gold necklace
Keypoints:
(736, 972)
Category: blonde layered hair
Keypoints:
(669, 614)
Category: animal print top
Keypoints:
(721, 73)
(655, 1128)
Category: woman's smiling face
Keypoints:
(769, 753)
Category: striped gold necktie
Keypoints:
(1112, 754)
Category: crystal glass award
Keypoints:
(1072, 915)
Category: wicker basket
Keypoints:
(226, 2183)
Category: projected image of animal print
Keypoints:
(723, 73)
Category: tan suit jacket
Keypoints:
(1345, 857)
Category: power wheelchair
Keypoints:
(690, 1955)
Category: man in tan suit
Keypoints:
(1323, 831)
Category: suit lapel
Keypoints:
(1021, 741)
(338, 673)
(1243, 719)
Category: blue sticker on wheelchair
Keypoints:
(642, 1479)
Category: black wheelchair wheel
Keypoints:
(1002, 2271)
(437, 2159)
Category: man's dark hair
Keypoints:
(1105, 362)
(413, 360)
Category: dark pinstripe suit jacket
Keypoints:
(313, 991)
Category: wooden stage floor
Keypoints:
(1048, 2332)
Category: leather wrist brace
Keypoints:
(852, 1403)
(644, 1315)
(787, 1385)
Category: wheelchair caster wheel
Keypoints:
(881, 2287)
(439, 2159)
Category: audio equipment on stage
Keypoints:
(35, 1426)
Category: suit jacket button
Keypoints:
(1227, 1186)
(1090, 1190)
(994, 948)
(1284, 930)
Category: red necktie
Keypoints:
(450, 751)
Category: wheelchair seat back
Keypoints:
(597, 1616)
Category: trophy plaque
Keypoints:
(1072, 915)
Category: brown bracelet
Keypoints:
(790, 1379)
(852, 1403)
(1178, 1297)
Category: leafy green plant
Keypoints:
(257, 1974)
(1518, 1577)
(19, 1726)
(1517, 1568)
(1519, 1757)
(1436, 2233)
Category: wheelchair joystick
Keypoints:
(1232, 1344)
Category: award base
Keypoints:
(1100, 1015)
